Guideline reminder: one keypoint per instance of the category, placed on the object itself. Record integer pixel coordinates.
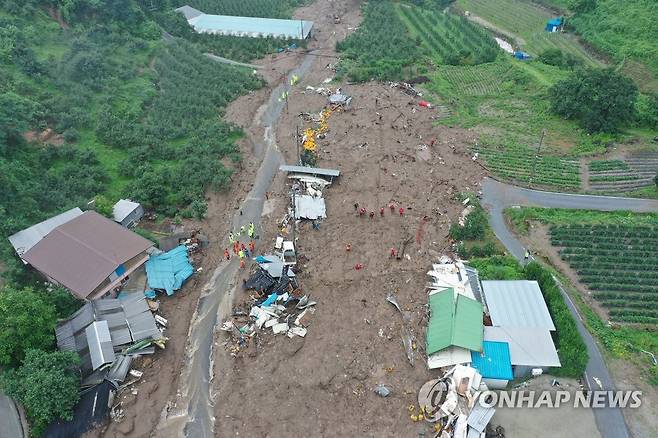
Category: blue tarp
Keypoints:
(168, 271)
(494, 362)
(553, 24)
(521, 55)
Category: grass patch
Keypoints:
(527, 21)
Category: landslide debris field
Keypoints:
(323, 384)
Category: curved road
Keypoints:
(496, 197)
(194, 413)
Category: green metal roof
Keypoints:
(454, 320)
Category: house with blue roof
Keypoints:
(494, 364)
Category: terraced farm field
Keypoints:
(630, 173)
(449, 38)
(618, 263)
(527, 20)
(520, 164)
(479, 80)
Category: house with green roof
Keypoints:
(455, 329)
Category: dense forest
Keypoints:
(102, 99)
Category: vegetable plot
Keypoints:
(618, 263)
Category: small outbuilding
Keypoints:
(554, 24)
(168, 271)
(454, 330)
(127, 212)
(529, 348)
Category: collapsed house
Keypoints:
(106, 333)
(307, 200)
(456, 406)
(88, 254)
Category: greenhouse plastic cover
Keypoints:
(168, 271)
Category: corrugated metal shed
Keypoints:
(474, 281)
(527, 347)
(309, 207)
(168, 271)
(479, 417)
(455, 320)
(494, 361)
(120, 368)
(100, 344)
(24, 240)
(127, 212)
(128, 320)
(516, 303)
(310, 170)
(251, 26)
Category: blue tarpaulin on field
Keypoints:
(552, 25)
(521, 56)
(168, 271)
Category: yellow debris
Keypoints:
(411, 408)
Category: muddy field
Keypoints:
(322, 385)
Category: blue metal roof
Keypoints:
(168, 271)
(494, 361)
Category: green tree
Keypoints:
(27, 321)
(103, 206)
(65, 304)
(600, 100)
(46, 384)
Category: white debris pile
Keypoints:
(454, 404)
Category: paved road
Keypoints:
(194, 413)
(9, 419)
(496, 197)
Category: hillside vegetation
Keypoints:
(623, 29)
(94, 101)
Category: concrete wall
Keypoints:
(496, 383)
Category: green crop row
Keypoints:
(618, 263)
(602, 165)
(613, 178)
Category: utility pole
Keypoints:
(294, 217)
(299, 157)
(534, 164)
